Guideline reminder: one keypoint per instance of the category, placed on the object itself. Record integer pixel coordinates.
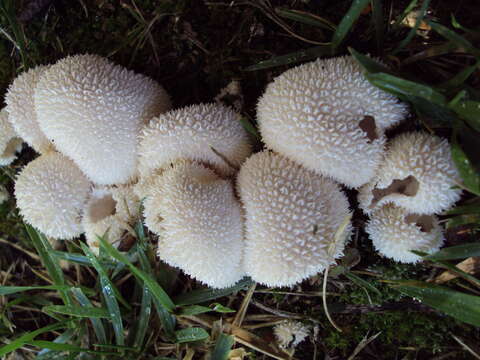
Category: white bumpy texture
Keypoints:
(295, 220)
(93, 110)
(10, 142)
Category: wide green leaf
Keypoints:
(470, 177)
(463, 307)
(347, 21)
(77, 311)
(306, 18)
(470, 111)
(462, 251)
(222, 348)
(367, 63)
(190, 335)
(458, 40)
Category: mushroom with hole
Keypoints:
(51, 192)
(10, 142)
(207, 133)
(93, 110)
(326, 116)
(395, 232)
(109, 212)
(21, 109)
(417, 174)
(296, 221)
(199, 223)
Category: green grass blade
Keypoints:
(77, 311)
(347, 22)
(306, 18)
(190, 335)
(413, 30)
(405, 12)
(194, 310)
(452, 36)
(461, 306)
(109, 296)
(203, 295)
(97, 324)
(81, 259)
(362, 283)
(292, 58)
(379, 24)
(156, 289)
(470, 177)
(222, 348)
(7, 290)
(456, 252)
(141, 326)
(469, 111)
(367, 63)
(65, 337)
(45, 251)
(66, 347)
(22, 340)
(459, 79)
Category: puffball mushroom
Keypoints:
(93, 110)
(290, 333)
(10, 143)
(394, 232)
(201, 224)
(21, 109)
(208, 133)
(51, 192)
(109, 211)
(326, 116)
(295, 220)
(417, 174)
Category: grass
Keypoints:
(73, 304)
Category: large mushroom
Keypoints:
(295, 220)
(417, 174)
(10, 142)
(93, 110)
(199, 223)
(326, 116)
(51, 192)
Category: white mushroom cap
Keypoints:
(295, 220)
(10, 142)
(329, 118)
(417, 174)
(51, 192)
(200, 223)
(208, 133)
(21, 109)
(111, 211)
(394, 232)
(94, 110)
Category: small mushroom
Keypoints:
(93, 110)
(21, 109)
(10, 142)
(207, 133)
(417, 174)
(394, 232)
(290, 333)
(199, 223)
(295, 220)
(110, 211)
(51, 192)
(326, 116)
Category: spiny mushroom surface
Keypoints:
(21, 109)
(10, 142)
(294, 220)
(290, 333)
(208, 133)
(110, 211)
(199, 223)
(394, 232)
(417, 174)
(51, 192)
(93, 110)
(329, 118)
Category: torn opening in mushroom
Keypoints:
(102, 208)
(408, 187)
(423, 222)
(369, 127)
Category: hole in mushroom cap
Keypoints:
(424, 222)
(102, 208)
(369, 127)
(408, 187)
(12, 147)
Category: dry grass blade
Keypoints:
(466, 347)
(244, 306)
(470, 266)
(362, 344)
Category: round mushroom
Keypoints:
(51, 192)
(395, 232)
(110, 211)
(93, 110)
(326, 116)
(417, 174)
(21, 109)
(199, 223)
(10, 142)
(295, 220)
(207, 133)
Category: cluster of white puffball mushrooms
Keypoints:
(108, 140)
